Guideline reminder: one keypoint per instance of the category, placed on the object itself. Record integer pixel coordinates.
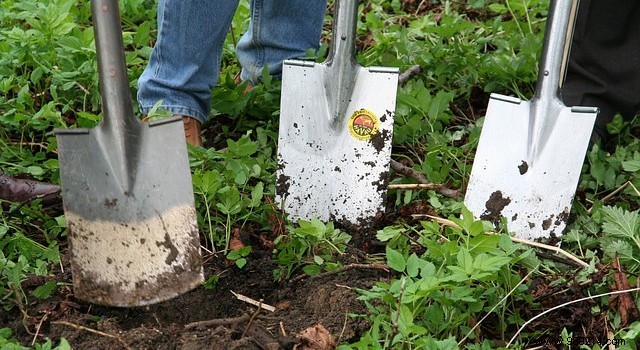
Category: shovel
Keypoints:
(530, 154)
(336, 126)
(127, 192)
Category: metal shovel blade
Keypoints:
(334, 172)
(127, 193)
(530, 154)
(533, 194)
(336, 127)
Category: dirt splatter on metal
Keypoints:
(523, 168)
(495, 205)
(282, 185)
(379, 139)
(110, 203)
(546, 223)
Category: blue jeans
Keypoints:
(185, 63)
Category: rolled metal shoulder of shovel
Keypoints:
(336, 127)
(127, 192)
(530, 154)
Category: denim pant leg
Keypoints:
(185, 62)
(279, 30)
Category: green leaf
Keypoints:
(413, 265)
(395, 260)
(256, 194)
(5, 333)
(318, 259)
(388, 233)
(44, 291)
(465, 261)
(64, 345)
(240, 263)
(621, 223)
(312, 270)
(632, 166)
(440, 103)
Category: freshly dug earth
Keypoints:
(205, 318)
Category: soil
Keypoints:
(208, 318)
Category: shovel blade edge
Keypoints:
(534, 195)
(334, 169)
(130, 247)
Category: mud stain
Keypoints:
(523, 168)
(282, 185)
(495, 205)
(379, 139)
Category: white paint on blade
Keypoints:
(128, 253)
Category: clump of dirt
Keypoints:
(495, 205)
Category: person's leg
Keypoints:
(604, 65)
(279, 30)
(185, 63)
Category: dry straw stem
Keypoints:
(253, 302)
(91, 330)
(517, 240)
(566, 304)
(618, 190)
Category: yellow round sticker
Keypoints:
(363, 124)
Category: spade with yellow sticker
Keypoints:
(336, 126)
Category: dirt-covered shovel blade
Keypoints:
(530, 154)
(336, 125)
(127, 192)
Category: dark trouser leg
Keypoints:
(604, 66)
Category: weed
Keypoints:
(312, 245)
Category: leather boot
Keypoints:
(23, 191)
(192, 131)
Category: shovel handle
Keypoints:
(343, 37)
(556, 48)
(341, 65)
(117, 107)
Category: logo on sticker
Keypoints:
(363, 124)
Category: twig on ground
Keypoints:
(430, 186)
(616, 191)
(218, 322)
(407, 171)
(517, 240)
(344, 326)
(253, 302)
(25, 316)
(35, 336)
(253, 317)
(565, 304)
(94, 331)
(343, 269)
(408, 74)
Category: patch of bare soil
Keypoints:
(207, 318)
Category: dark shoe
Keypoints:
(192, 130)
(23, 191)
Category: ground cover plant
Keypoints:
(423, 276)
